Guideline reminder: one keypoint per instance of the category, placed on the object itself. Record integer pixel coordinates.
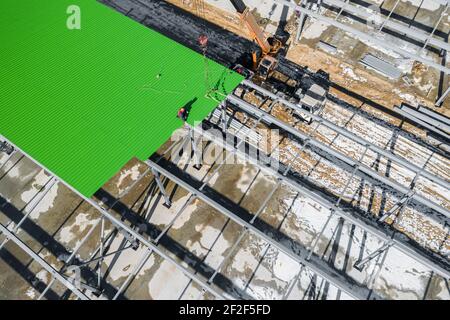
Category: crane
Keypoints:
(267, 61)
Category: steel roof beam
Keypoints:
(365, 36)
(69, 285)
(121, 225)
(269, 119)
(389, 24)
(382, 233)
(424, 120)
(316, 264)
(155, 248)
(409, 165)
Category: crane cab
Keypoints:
(266, 66)
(312, 101)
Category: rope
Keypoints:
(201, 13)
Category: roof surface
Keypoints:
(84, 102)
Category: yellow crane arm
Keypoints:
(252, 25)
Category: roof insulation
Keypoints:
(84, 102)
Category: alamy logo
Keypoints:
(74, 18)
(253, 146)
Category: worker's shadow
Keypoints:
(188, 106)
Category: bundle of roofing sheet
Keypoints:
(381, 66)
(84, 102)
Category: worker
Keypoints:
(183, 114)
(203, 42)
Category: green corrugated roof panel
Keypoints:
(84, 102)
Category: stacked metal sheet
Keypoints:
(381, 66)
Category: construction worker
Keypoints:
(182, 114)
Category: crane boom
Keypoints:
(252, 25)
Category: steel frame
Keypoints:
(318, 267)
(419, 171)
(425, 38)
(424, 124)
(56, 274)
(129, 238)
(246, 227)
(364, 36)
(271, 120)
(245, 230)
(151, 246)
(389, 242)
(306, 258)
(382, 233)
(430, 143)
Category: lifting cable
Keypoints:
(211, 92)
(203, 42)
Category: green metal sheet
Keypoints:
(84, 102)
